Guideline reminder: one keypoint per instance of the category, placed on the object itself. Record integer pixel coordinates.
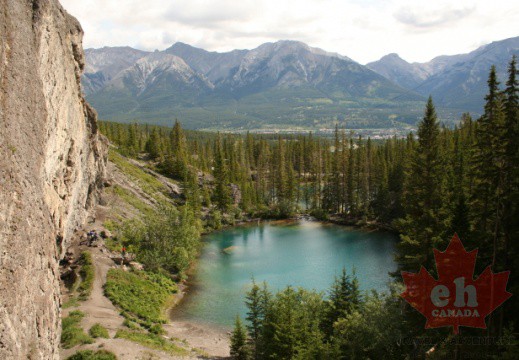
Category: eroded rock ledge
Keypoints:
(52, 163)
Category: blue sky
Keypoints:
(363, 30)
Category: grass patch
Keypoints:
(91, 355)
(131, 324)
(152, 341)
(140, 295)
(72, 334)
(87, 276)
(71, 302)
(132, 200)
(147, 182)
(98, 331)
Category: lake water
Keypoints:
(307, 254)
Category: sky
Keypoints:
(363, 30)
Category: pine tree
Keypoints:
(255, 317)
(222, 195)
(511, 140)
(423, 226)
(344, 298)
(152, 146)
(488, 171)
(239, 350)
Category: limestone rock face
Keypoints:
(52, 163)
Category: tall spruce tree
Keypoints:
(423, 226)
(488, 170)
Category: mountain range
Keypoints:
(457, 81)
(286, 85)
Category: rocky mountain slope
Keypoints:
(457, 81)
(396, 69)
(51, 164)
(286, 83)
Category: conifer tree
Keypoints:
(488, 171)
(152, 146)
(423, 226)
(222, 195)
(344, 298)
(255, 317)
(239, 350)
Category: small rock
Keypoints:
(136, 266)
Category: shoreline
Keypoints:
(209, 339)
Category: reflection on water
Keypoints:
(307, 254)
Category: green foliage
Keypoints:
(215, 220)
(141, 295)
(344, 299)
(370, 332)
(110, 225)
(152, 341)
(87, 274)
(239, 349)
(91, 355)
(98, 331)
(168, 239)
(131, 324)
(71, 333)
(301, 324)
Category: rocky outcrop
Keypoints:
(52, 163)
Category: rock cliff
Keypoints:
(52, 163)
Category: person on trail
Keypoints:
(92, 237)
(123, 252)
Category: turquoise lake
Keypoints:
(306, 254)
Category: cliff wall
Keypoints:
(52, 163)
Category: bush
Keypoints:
(98, 331)
(320, 214)
(140, 294)
(87, 276)
(72, 334)
(168, 239)
(157, 329)
(131, 324)
(90, 355)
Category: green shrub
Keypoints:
(141, 294)
(131, 324)
(90, 355)
(157, 329)
(98, 331)
(87, 274)
(72, 334)
(152, 341)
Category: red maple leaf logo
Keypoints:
(455, 299)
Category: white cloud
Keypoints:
(364, 30)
